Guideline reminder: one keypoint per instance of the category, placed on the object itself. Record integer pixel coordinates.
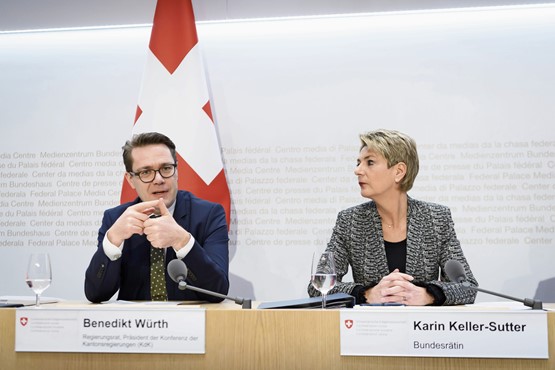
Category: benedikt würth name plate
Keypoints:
(117, 330)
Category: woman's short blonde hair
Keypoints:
(395, 147)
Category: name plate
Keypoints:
(405, 331)
(110, 330)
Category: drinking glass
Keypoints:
(323, 274)
(39, 274)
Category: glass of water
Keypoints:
(323, 275)
(39, 274)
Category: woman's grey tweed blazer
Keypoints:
(357, 240)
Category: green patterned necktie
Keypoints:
(157, 275)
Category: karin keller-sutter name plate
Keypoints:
(110, 330)
(436, 332)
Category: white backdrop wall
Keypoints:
(290, 96)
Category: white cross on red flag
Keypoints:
(174, 101)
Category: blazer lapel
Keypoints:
(181, 216)
(414, 234)
(182, 209)
(374, 243)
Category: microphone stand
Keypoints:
(245, 303)
(536, 305)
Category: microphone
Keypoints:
(455, 271)
(178, 273)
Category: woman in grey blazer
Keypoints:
(396, 246)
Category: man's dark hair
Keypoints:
(144, 139)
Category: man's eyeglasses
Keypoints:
(146, 176)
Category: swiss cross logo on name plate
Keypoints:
(23, 321)
(349, 323)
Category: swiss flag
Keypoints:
(174, 101)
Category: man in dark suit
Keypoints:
(182, 225)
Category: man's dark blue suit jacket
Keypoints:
(207, 262)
